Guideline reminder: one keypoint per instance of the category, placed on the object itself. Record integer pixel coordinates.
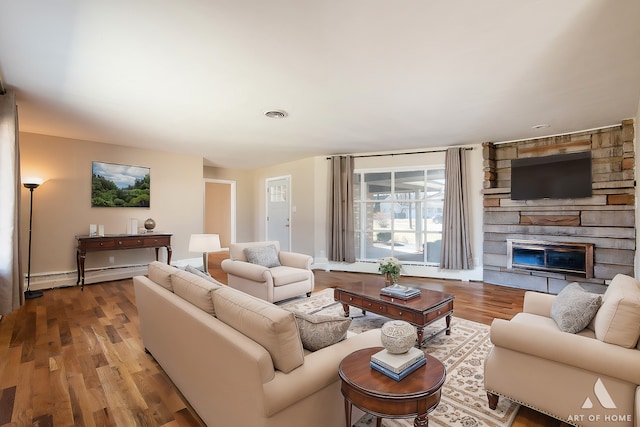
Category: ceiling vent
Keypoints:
(276, 114)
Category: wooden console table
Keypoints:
(114, 242)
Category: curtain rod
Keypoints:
(400, 154)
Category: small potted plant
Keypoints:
(390, 267)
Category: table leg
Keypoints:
(168, 254)
(422, 420)
(347, 412)
(448, 320)
(80, 261)
(345, 307)
(420, 331)
(378, 422)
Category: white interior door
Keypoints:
(279, 211)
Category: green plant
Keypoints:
(390, 265)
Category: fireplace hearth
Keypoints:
(571, 258)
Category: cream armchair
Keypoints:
(262, 278)
(589, 378)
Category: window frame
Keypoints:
(365, 230)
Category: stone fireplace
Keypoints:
(545, 244)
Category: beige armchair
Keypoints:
(588, 378)
(273, 275)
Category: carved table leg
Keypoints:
(448, 320)
(421, 421)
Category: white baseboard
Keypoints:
(62, 279)
(410, 270)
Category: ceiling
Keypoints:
(196, 76)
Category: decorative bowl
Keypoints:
(398, 336)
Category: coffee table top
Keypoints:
(371, 289)
(426, 380)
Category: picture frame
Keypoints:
(116, 185)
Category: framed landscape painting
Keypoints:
(114, 185)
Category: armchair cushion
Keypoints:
(285, 275)
(618, 320)
(266, 256)
(574, 308)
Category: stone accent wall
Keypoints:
(607, 219)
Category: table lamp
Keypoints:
(204, 243)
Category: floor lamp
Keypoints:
(29, 294)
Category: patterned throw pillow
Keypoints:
(573, 308)
(266, 256)
(318, 330)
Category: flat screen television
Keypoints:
(561, 176)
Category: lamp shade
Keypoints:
(204, 243)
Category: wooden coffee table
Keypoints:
(375, 393)
(419, 311)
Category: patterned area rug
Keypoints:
(464, 401)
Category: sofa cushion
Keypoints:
(573, 308)
(319, 331)
(195, 289)
(270, 326)
(618, 320)
(160, 273)
(266, 256)
(283, 275)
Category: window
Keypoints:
(399, 213)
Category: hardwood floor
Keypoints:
(75, 358)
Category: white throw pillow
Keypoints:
(618, 320)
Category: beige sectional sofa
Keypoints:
(588, 378)
(237, 359)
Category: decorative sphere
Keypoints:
(398, 336)
(149, 224)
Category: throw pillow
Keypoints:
(573, 308)
(318, 331)
(618, 320)
(193, 270)
(266, 256)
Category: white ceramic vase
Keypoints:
(398, 336)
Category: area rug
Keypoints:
(464, 401)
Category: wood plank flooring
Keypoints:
(75, 358)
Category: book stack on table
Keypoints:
(399, 291)
(398, 366)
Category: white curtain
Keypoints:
(341, 238)
(10, 265)
(456, 244)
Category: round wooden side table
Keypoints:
(375, 393)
